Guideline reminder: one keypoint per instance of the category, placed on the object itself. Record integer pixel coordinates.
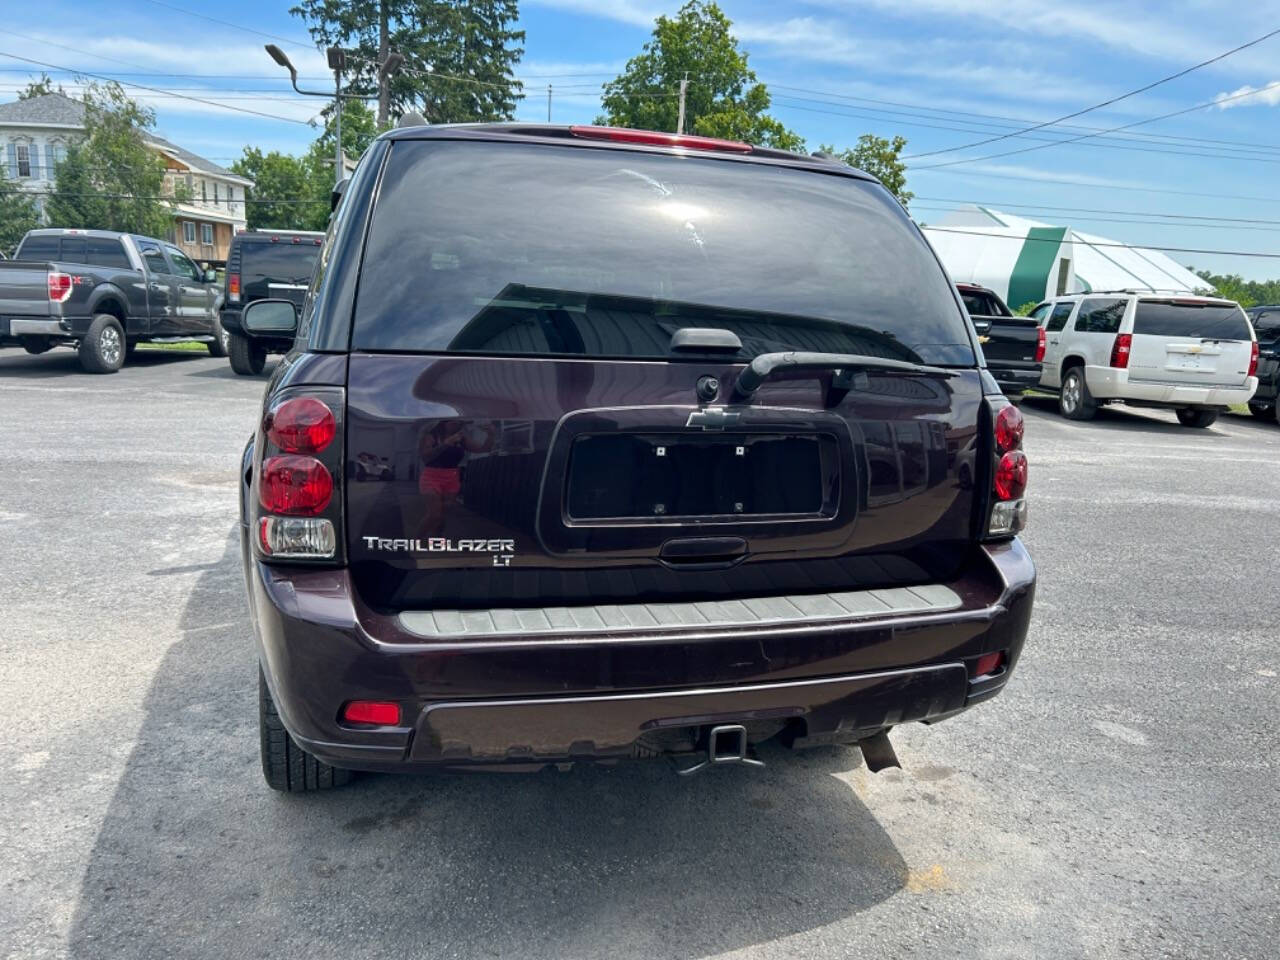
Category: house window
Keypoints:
(206, 234)
(24, 160)
(188, 232)
(204, 194)
(215, 195)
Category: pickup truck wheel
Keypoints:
(103, 348)
(1075, 402)
(246, 359)
(1260, 410)
(286, 766)
(220, 345)
(1190, 417)
(36, 345)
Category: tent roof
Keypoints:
(982, 245)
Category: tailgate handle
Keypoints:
(703, 550)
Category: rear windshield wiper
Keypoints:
(767, 364)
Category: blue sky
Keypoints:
(940, 72)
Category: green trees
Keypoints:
(724, 98)
(17, 215)
(880, 158)
(111, 179)
(460, 55)
(1247, 293)
(292, 193)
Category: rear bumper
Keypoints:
(1014, 378)
(1107, 383)
(554, 696)
(21, 327)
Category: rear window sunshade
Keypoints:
(1204, 321)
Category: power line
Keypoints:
(163, 198)
(227, 23)
(1118, 246)
(1105, 186)
(1126, 126)
(926, 112)
(142, 86)
(1094, 219)
(1104, 103)
(1046, 141)
(1126, 213)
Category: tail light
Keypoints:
(59, 286)
(1040, 344)
(1253, 359)
(1008, 513)
(233, 286)
(1120, 350)
(297, 495)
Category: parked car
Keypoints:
(664, 474)
(1013, 346)
(1194, 355)
(263, 264)
(1266, 327)
(104, 293)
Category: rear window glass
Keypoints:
(73, 250)
(38, 248)
(1167, 318)
(536, 250)
(105, 252)
(276, 269)
(981, 304)
(1101, 315)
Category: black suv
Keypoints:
(261, 265)
(601, 443)
(1266, 327)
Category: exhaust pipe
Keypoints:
(878, 752)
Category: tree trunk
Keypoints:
(384, 48)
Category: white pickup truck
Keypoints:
(1195, 355)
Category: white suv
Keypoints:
(1195, 355)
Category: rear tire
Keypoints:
(1264, 412)
(1075, 402)
(247, 359)
(1190, 417)
(220, 345)
(103, 348)
(285, 765)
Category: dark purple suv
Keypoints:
(598, 444)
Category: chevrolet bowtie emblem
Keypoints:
(983, 339)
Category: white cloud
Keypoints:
(1169, 31)
(1018, 171)
(639, 13)
(1249, 96)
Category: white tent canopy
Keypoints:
(1026, 261)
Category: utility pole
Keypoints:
(684, 86)
(548, 103)
(337, 60)
(384, 80)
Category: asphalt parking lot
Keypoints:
(1121, 798)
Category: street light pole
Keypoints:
(337, 58)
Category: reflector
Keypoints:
(381, 713)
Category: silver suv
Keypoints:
(1195, 355)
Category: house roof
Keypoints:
(57, 109)
(51, 108)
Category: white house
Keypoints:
(35, 134)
